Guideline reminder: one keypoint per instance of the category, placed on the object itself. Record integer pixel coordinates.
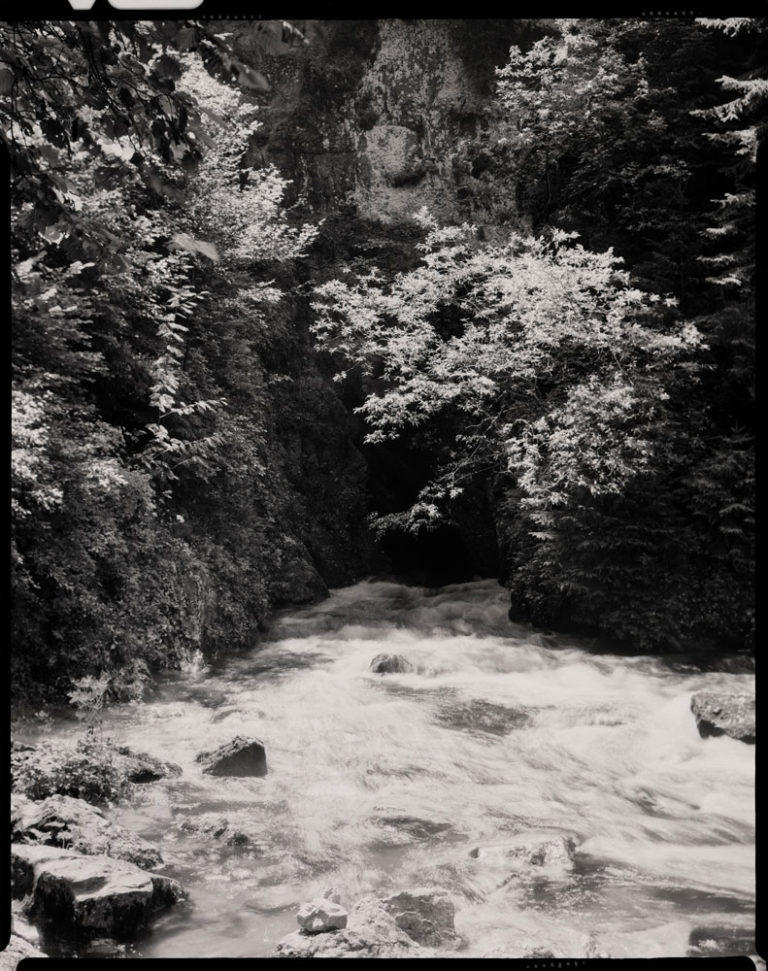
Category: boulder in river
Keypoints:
(371, 920)
(76, 825)
(390, 664)
(240, 757)
(370, 932)
(411, 827)
(140, 767)
(320, 916)
(529, 852)
(460, 877)
(426, 914)
(92, 895)
(721, 713)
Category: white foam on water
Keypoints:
(380, 782)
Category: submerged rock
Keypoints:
(537, 951)
(220, 828)
(425, 914)
(92, 895)
(76, 825)
(390, 664)
(482, 716)
(240, 757)
(529, 852)
(719, 940)
(320, 916)
(721, 713)
(412, 827)
(556, 942)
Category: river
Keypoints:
(384, 782)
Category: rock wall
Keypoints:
(326, 543)
(418, 99)
(382, 118)
(372, 121)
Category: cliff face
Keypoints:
(381, 118)
(405, 121)
(373, 121)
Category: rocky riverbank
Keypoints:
(73, 870)
(85, 876)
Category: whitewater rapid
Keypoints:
(384, 782)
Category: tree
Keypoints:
(665, 172)
(553, 372)
(130, 219)
(728, 251)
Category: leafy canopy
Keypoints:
(545, 360)
(141, 294)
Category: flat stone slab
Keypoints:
(722, 713)
(239, 757)
(93, 896)
(74, 824)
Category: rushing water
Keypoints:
(384, 782)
